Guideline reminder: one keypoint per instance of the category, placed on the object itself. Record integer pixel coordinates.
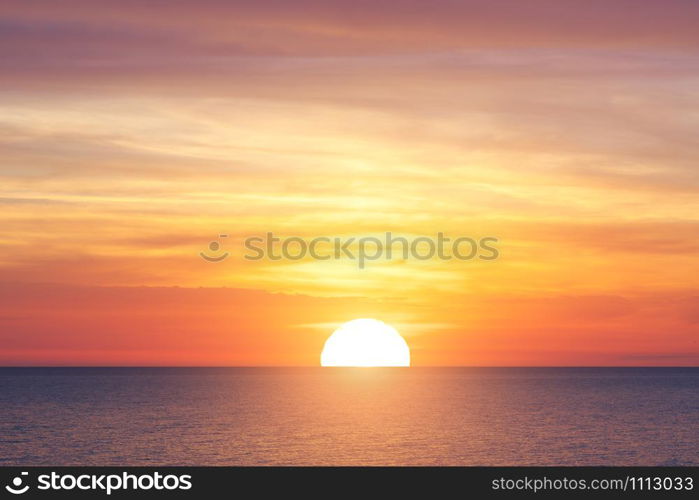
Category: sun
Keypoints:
(365, 342)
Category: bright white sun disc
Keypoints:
(365, 342)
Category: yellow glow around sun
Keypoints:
(365, 342)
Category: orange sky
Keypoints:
(133, 134)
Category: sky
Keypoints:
(132, 133)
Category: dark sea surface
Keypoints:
(337, 416)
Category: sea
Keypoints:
(349, 416)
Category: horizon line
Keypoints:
(361, 367)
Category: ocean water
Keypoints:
(365, 416)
